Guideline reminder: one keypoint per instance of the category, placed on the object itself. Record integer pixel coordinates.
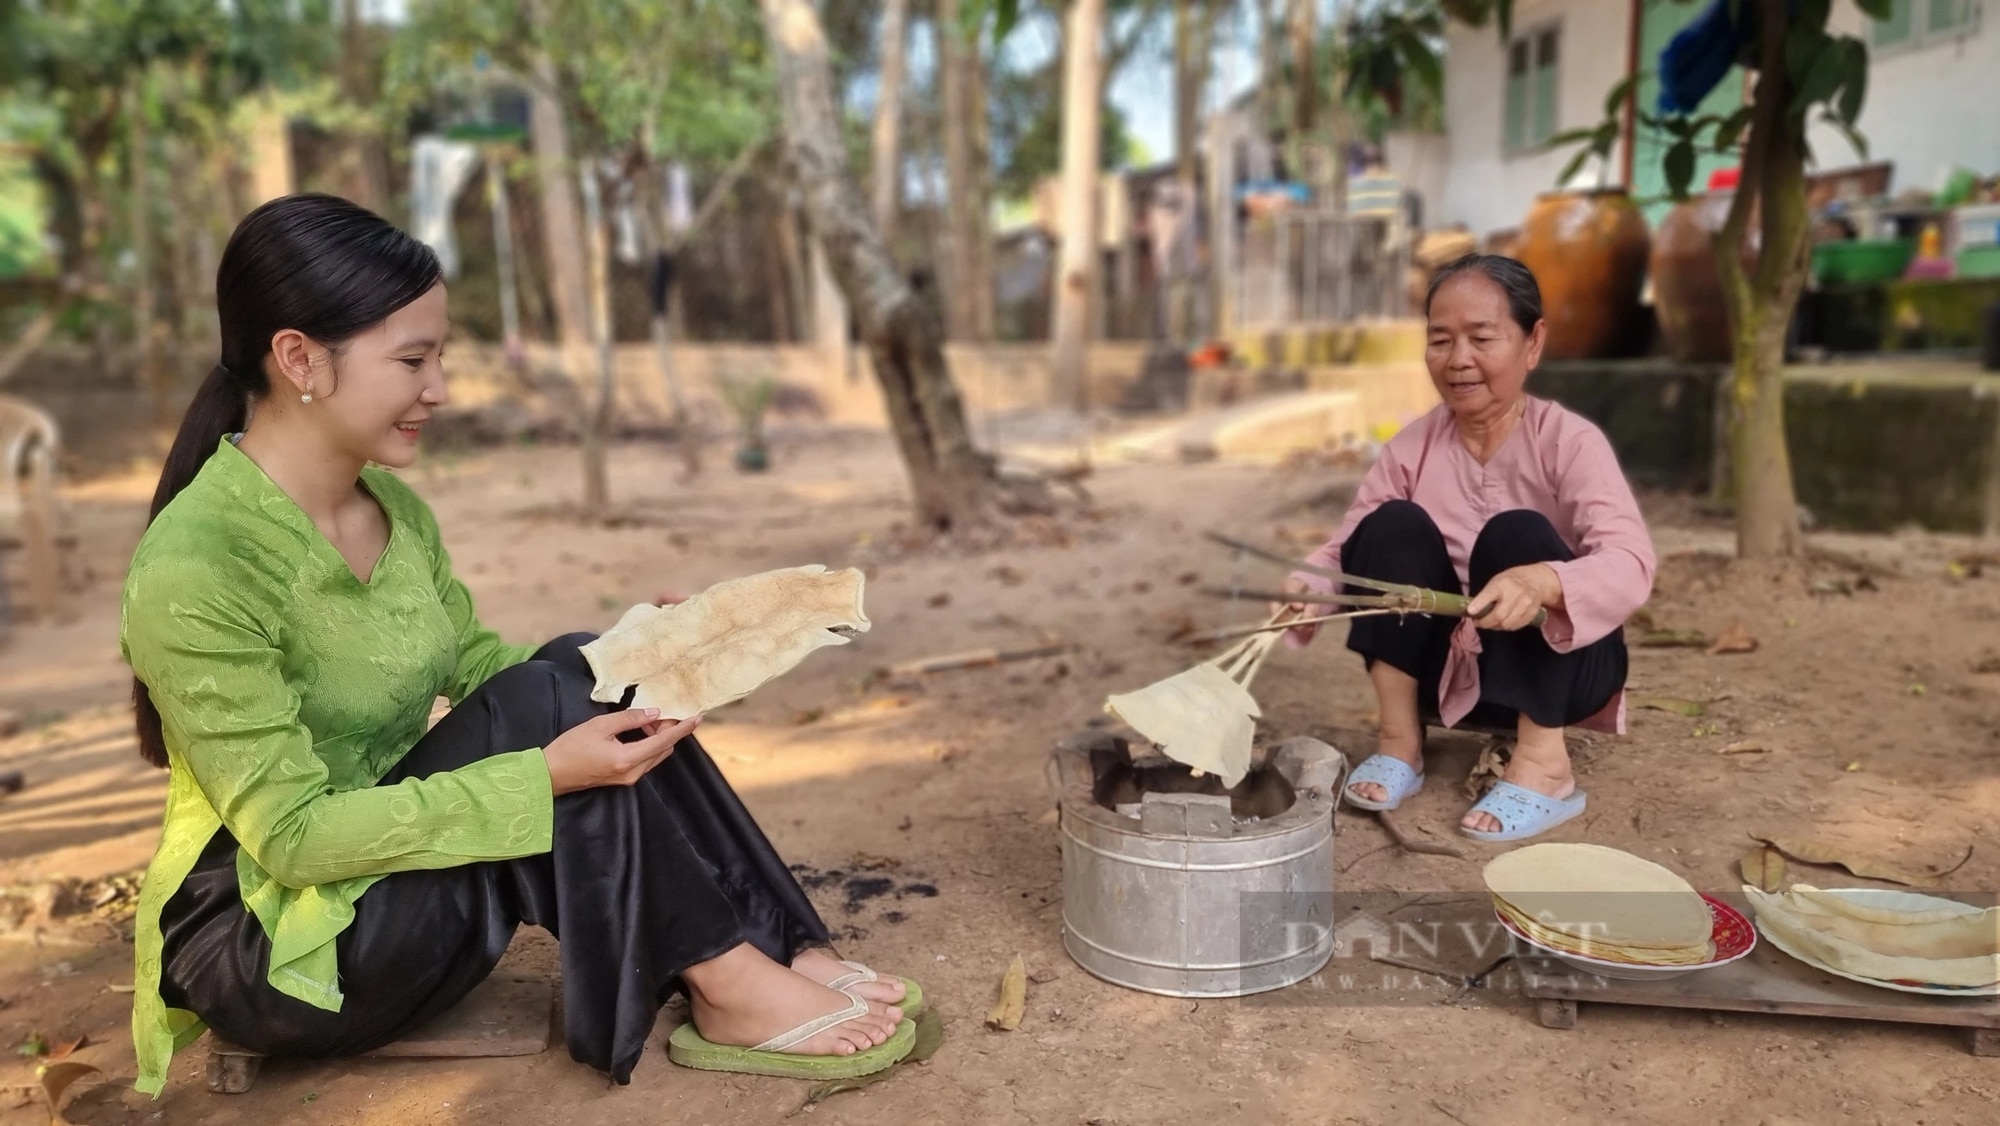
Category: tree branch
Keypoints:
(718, 194)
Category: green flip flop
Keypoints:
(689, 1048)
(913, 1002)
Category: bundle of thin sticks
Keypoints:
(1392, 598)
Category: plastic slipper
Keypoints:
(689, 1048)
(912, 1004)
(1522, 812)
(1395, 776)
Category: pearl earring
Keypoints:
(306, 398)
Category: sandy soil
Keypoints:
(1881, 735)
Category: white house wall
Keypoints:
(1488, 189)
(1929, 107)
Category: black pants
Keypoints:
(1518, 672)
(643, 881)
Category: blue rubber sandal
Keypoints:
(1396, 777)
(1522, 812)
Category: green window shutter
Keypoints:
(1546, 55)
(1948, 15)
(1896, 29)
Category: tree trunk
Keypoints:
(968, 294)
(796, 278)
(953, 484)
(503, 257)
(597, 411)
(152, 374)
(1194, 32)
(1305, 90)
(886, 170)
(1268, 76)
(1761, 304)
(365, 171)
(985, 278)
(562, 231)
(1076, 268)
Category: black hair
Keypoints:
(316, 263)
(1524, 294)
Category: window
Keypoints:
(1532, 59)
(1913, 22)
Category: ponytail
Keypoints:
(314, 263)
(219, 409)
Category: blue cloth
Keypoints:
(1696, 59)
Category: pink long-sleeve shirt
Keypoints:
(1556, 463)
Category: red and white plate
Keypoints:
(1733, 936)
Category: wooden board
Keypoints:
(1767, 981)
(504, 1016)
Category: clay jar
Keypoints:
(1588, 251)
(1687, 281)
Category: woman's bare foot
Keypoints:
(1540, 763)
(742, 998)
(822, 967)
(1409, 748)
(1402, 734)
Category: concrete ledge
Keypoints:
(1874, 446)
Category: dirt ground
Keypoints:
(1880, 732)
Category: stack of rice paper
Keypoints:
(1952, 945)
(1602, 903)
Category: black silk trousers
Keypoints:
(643, 882)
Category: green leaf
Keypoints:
(1679, 167)
(1822, 77)
(1854, 85)
(1569, 171)
(1813, 14)
(1877, 9)
(1422, 61)
(1614, 102)
(1731, 130)
(1576, 136)
(1853, 135)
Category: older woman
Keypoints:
(1521, 502)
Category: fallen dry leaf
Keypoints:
(1490, 768)
(1853, 767)
(930, 1037)
(1673, 639)
(1735, 639)
(1691, 708)
(1808, 850)
(1012, 1003)
(1987, 665)
(1764, 868)
(809, 717)
(63, 1049)
(1744, 747)
(55, 1080)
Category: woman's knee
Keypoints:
(1398, 518)
(567, 651)
(1516, 537)
(1399, 542)
(542, 690)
